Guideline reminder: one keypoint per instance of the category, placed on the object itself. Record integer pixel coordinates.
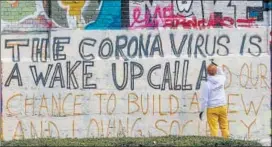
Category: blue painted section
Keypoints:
(268, 6)
(253, 14)
(109, 16)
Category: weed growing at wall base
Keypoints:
(152, 141)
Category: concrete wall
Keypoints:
(87, 50)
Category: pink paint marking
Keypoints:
(165, 17)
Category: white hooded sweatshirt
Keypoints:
(213, 92)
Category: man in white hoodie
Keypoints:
(214, 100)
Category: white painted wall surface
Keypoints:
(80, 113)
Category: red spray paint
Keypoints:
(165, 17)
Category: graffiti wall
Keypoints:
(153, 55)
(44, 15)
(148, 84)
(190, 14)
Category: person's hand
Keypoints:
(200, 115)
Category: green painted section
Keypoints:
(15, 14)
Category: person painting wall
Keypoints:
(213, 100)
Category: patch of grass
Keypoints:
(151, 141)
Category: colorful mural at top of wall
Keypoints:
(49, 14)
(198, 14)
(133, 14)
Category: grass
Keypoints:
(152, 141)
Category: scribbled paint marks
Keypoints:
(181, 13)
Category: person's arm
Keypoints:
(220, 71)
